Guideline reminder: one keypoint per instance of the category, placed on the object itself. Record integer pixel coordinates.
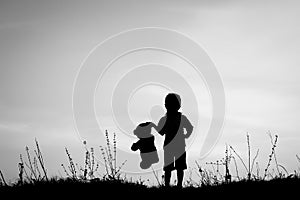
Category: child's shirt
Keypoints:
(172, 125)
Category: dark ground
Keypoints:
(284, 188)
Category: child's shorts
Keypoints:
(174, 160)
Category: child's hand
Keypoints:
(151, 124)
(187, 135)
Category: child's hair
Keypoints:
(172, 102)
(143, 130)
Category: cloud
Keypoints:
(15, 127)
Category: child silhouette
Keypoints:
(172, 126)
(145, 144)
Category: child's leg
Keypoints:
(168, 165)
(180, 165)
(167, 177)
(180, 174)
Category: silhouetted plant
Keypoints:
(74, 171)
(2, 180)
(109, 156)
(236, 168)
(248, 168)
(160, 183)
(40, 158)
(71, 172)
(21, 172)
(190, 182)
(90, 164)
(270, 156)
(33, 172)
(35, 164)
(280, 173)
(225, 162)
(298, 158)
(207, 178)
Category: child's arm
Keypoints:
(188, 126)
(159, 126)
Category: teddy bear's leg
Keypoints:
(145, 163)
(153, 157)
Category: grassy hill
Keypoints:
(81, 182)
(68, 188)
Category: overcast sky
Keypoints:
(254, 44)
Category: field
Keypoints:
(81, 181)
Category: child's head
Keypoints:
(172, 102)
(143, 130)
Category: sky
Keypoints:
(254, 45)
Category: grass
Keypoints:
(85, 180)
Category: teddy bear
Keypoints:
(145, 144)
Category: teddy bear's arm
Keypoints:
(135, 146)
